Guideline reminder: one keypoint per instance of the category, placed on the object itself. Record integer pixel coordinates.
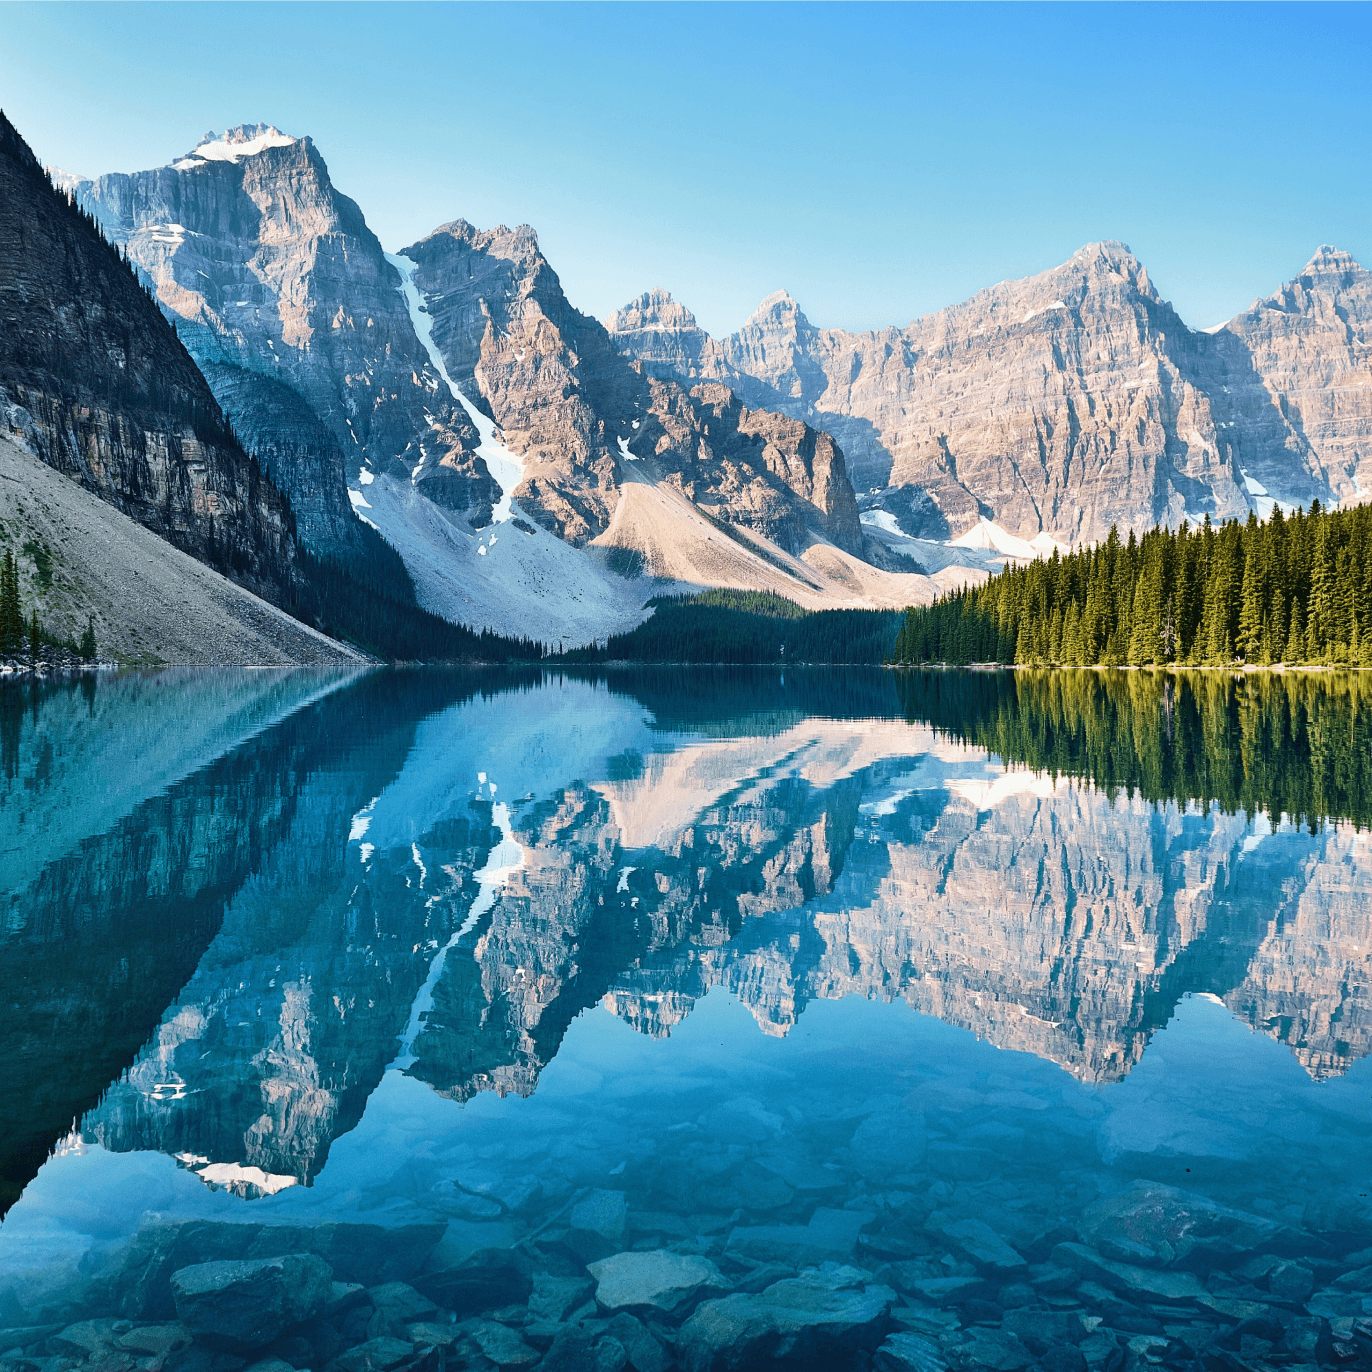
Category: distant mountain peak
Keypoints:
(233, 145)
(1331, 260)
(654, 309)
(780, 305)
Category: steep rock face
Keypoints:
(1299, 364)
(268, 268)
(276, 425)
(574, 408)
(1065, 402)
(662, 335)
(97, 383)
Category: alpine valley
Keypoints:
(543, 476)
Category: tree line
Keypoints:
(1292, 589)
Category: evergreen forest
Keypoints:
(1293, 589)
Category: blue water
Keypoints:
(791, 974)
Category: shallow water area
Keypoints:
(697, 1019)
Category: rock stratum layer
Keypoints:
(1066, 402)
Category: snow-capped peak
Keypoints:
(233, 145)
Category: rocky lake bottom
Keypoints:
(376, 1021)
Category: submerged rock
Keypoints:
(660, 1279)
(376, 1355)
(908, 1353)
(1163, 1286)
(597, 1224)
(819, 1317)
(1153, 1225)
(554, 1298)
(979, 1242)
(249, 1303)
(484, 1280)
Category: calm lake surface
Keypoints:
(685, 1018)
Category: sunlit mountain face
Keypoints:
(765, 971)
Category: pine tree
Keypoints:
(1320, 611)
(35, 637)
(1145, 639)
(1295, 638)
(1055, 632)
(1252, 597)
(11, 616)
(87, 645)
(1071, 636)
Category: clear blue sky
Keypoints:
(876, 161)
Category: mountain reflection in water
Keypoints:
(230, 897)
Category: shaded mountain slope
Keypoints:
(98, 384)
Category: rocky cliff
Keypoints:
(1065, 402)
(96, 382)
(278, 285)
(574, 409)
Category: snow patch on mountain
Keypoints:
(247, 140)
(989, 535)
(506, 467)
(528, 584)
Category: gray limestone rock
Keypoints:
(816, 1317)
(269, 271)
(576, 410)
(658, 1279)
(248, 1303)
(907, 1352)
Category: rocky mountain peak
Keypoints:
(1331, 261)
(233, 145)
(653, 309)
(777, 307)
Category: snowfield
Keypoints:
(530, 585)
(505, 466)
(234, 145)
(989, 535)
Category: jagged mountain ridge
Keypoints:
(1064, 402)
(615, 477)
(95, 382)
(270, 270)
(570, 404)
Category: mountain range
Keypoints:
(540, 473)
(1066, 402)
